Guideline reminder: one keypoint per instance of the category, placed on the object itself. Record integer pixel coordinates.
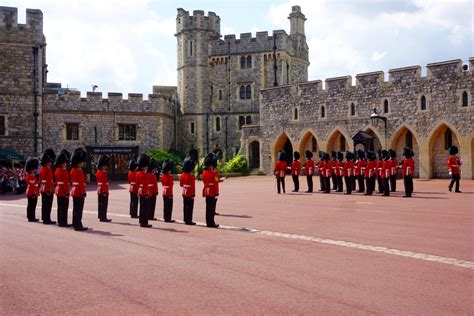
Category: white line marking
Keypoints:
(391, 251)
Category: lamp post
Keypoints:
(374, 118)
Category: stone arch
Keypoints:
(379, 142)
(254, 154)
(333, 141)
(307, 142)
(438, 153)
(283, 142)
(399, 141)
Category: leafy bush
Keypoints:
(161, 155)
(236, 165)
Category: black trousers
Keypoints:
(211, 202)
(280, 181)
(151, 207)
(296, 182)
(340, 187)
(167, 208)
(46, 205)
(321, 183)
(393, 182)
(380, 184)
(455, 178)
(370, 185)
(408, 182)
(309, 181)
(133, 204)
(386, 186)
(77, 209)
(327, 184)
(353, 182)
(63, 204)
(188, 207)
(334, 182)
(103, 202)
(349, 181)
(360, 181)
(31, 207)
(145, 204)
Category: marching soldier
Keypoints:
(360, 170)
(167, 183)
(348, 172)
(379, 166)
(62, 188)
(320, 166)
(386, 172)
(369, 173)
(309, 167)
(47, 186)
(78, 191)
(187, 181)
(339, 168)
(32, 191)
(209, 190)
(408, 168)
(394, 169)
(144, 189)
(103, 188)
(132, 180)
(153, 185)
(327, 172)
(333, 165)
(454, 164)
(295, 171)
(280, 171)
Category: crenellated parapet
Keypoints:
(13, 32)
(197, 21)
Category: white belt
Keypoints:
(43, 181)
(455, 166)
(210, 184)
(59, 182)
(165, 187)
(132, 182)
(150, 185)
(186, 186)
(75, 183)
(99, 183)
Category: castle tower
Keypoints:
(299, 65)
(22, 74)
(194, 34)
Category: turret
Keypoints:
(297, 20)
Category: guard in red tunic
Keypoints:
(339, 171)
(280, 171)
(47, 186)
(408, 168)
(61, 175)
(333, 164)
(103, 188)
(360, 170)
(167, 183)
(209, 190)
(327, 172)
(319, 166)
(132, 181)
(144, 189)
(187, 181)
(152, 173)
(386, 172)
(378, 174)
(348, 172)
(32, 191)
(78, 190)
(394, 169)
(309, 169)
(369, 173)
(295, 171)
(454, 165)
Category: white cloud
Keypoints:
(377, 55)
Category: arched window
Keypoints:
(242, 62)
(323, 112)
(248, 120)
(448, 139)
(191, 127)
(465, 99)
(190, 48)
(242, 92)
(409, 140)
(218, 124)
(248, 92)
(342, 143)
(295, 114)
(353, 109)
(249, 61)
(385, 106)
(423, 103)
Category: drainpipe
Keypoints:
(35, 101)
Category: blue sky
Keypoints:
(129, 46)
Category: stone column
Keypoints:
(425, 159)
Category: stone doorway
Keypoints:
(254, 155)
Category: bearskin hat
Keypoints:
(320, 154)
(78, 156)
(67, 153)
(326, 157)
(103, 161)
(143, 161)
(188, 165)
(152, 164)
(296, 155)
(132, 165)
(371, 156)
(385, 155)
(167, 165)
(360, 154)
(281, 155)
(48, 156)
(61, 159)
(392, 153)
(31, 164)
(453, 150)
(349, 156)
(210, 160)
(407, 152)
(333, 154)
(193, 154)
(340, 155)
(308, 154)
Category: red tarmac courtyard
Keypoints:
(296, 253)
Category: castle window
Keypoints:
(342, 143)
(323, 112)
(191, 127)
(3, 125)
(241, 122)
(465, 99)
(249, 61)
(248, 92)
(127, 132)
(448, 139)
(385, 106)
(314, 144)
(190, 48)
(242, 92)
(353, 109)
(409, 140)
(220, 94)
(218, 124)
(243, 62)
(295, 114)
(248, 120)
(72, 131)
(423, 103)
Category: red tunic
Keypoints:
(320, 166)
(217, 179)
(348, 169)
(379, 166)
(143, 183)
(78, 181)
(132, 180)
(339, 167)
(453, 164)
(369, 170)
(327, 169)
(167, 183)
(46, 180)
(280, 168)
(360, 167)
(309, 167)
(102, 182)
(408, 167)
(394, 164)
(62, 182)
(295, 168)
(32, 188)
(210, 184)
(188, 182)
(152, 183)
(386, 169)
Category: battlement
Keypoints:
(12, 31)
(197, 21)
